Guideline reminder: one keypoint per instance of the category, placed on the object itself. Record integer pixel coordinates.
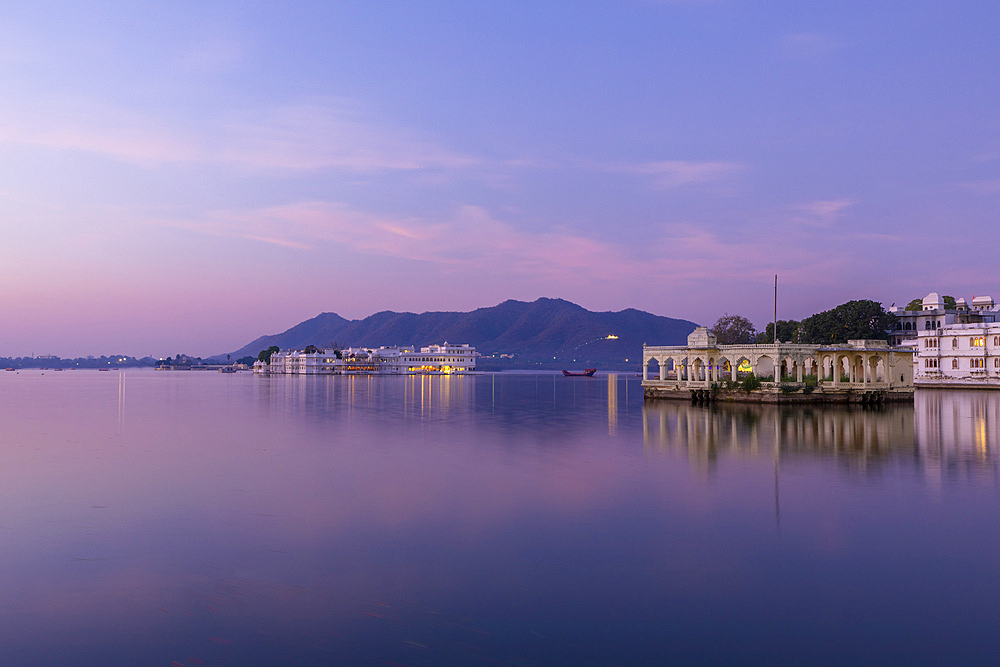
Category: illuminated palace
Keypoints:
(433, 359)
(956, 345)
(859, 371)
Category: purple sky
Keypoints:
(183, 177)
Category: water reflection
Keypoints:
(612, 403)
(411, 396)
(706, 433)
(507, 519)
(957, 432)
(945, 434)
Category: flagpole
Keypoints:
(775, 308)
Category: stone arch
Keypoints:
(858, 368)
(682, 368)
(843, 363)
(788, 368)
(653, 371)
(725, 367)
(828, 365)
(881, 370)
(739, 362)
(697, 368)
(764, 366)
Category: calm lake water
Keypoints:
(525, 519)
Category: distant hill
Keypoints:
(547, 333)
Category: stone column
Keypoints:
(663, 368)
(732, 368)
(798, 370)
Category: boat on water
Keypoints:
(580, 374)
(227, 369)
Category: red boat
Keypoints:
(580, 374)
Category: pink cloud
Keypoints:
(320, 135)
(819, 213)
(471, 240)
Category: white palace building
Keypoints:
(953, 347)
(400, 360)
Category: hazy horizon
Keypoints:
(185, 178)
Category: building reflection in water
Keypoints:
(416, 396)
(957, 432)
(706, 434)
(945, 433)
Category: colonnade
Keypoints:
(783, 363)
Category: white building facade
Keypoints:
(959, 355)
(396, 360)
(934, 314)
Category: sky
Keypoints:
(183, 177)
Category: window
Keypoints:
(977, 341)
(954, 343)
(954, 364)
(930, 363)
(977, 363)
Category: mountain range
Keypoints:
(546, 333)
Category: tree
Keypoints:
(788, 332)
(848, 321)
(265, 355)
(949, 302)
(916, 304)
(733, 330)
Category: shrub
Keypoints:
(750, 383)
(788, 388)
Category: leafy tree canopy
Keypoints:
(848, 321)
(733, 330)
(916, 304)
(265, 355)
(788, 332)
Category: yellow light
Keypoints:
(611, 337)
